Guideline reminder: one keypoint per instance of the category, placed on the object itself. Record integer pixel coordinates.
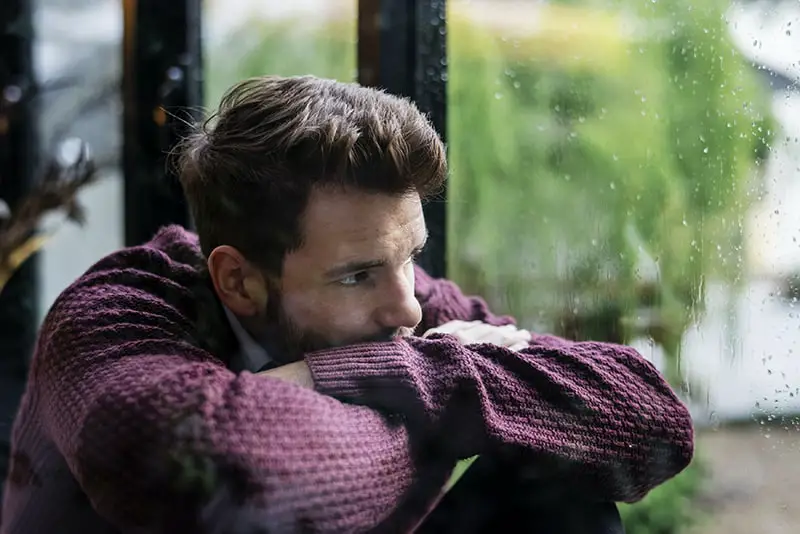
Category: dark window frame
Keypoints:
(19, 299)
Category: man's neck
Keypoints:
(253, 355)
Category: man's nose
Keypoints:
(399, 307)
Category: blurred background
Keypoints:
(622, 170)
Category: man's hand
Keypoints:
(297, 372)
(508, 336)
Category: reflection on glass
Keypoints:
(625, 171)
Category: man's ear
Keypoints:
(239, 285)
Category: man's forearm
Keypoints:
(291, 456)
(596, 414)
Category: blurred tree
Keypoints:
(606, 172)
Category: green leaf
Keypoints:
(458, 472)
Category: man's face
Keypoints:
(353, 278)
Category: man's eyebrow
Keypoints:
(359, 265)
(352, 267)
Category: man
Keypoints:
(264, 372)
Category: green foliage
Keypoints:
(568, 180)
(289, 48)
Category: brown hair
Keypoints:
(248, 171)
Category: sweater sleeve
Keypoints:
(162, 437)
(599, 415)
(595, 416)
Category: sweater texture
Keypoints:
(132, 421)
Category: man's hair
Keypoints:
(247, 172)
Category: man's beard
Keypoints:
(290, 343)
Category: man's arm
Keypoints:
(145, 422)
(610, 420)
(596, 415)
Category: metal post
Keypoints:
(402, 49)
(18, 154)
(162, 90)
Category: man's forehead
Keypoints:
(343, 226)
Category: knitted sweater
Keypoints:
(131, 421)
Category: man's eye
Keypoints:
(354, 279)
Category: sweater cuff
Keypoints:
(354, 370)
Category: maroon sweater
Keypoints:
(132, 422)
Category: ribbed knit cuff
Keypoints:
(354, 370)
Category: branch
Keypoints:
(56, 191)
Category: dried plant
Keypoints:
(56, 191)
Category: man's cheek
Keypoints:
(348, 326)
